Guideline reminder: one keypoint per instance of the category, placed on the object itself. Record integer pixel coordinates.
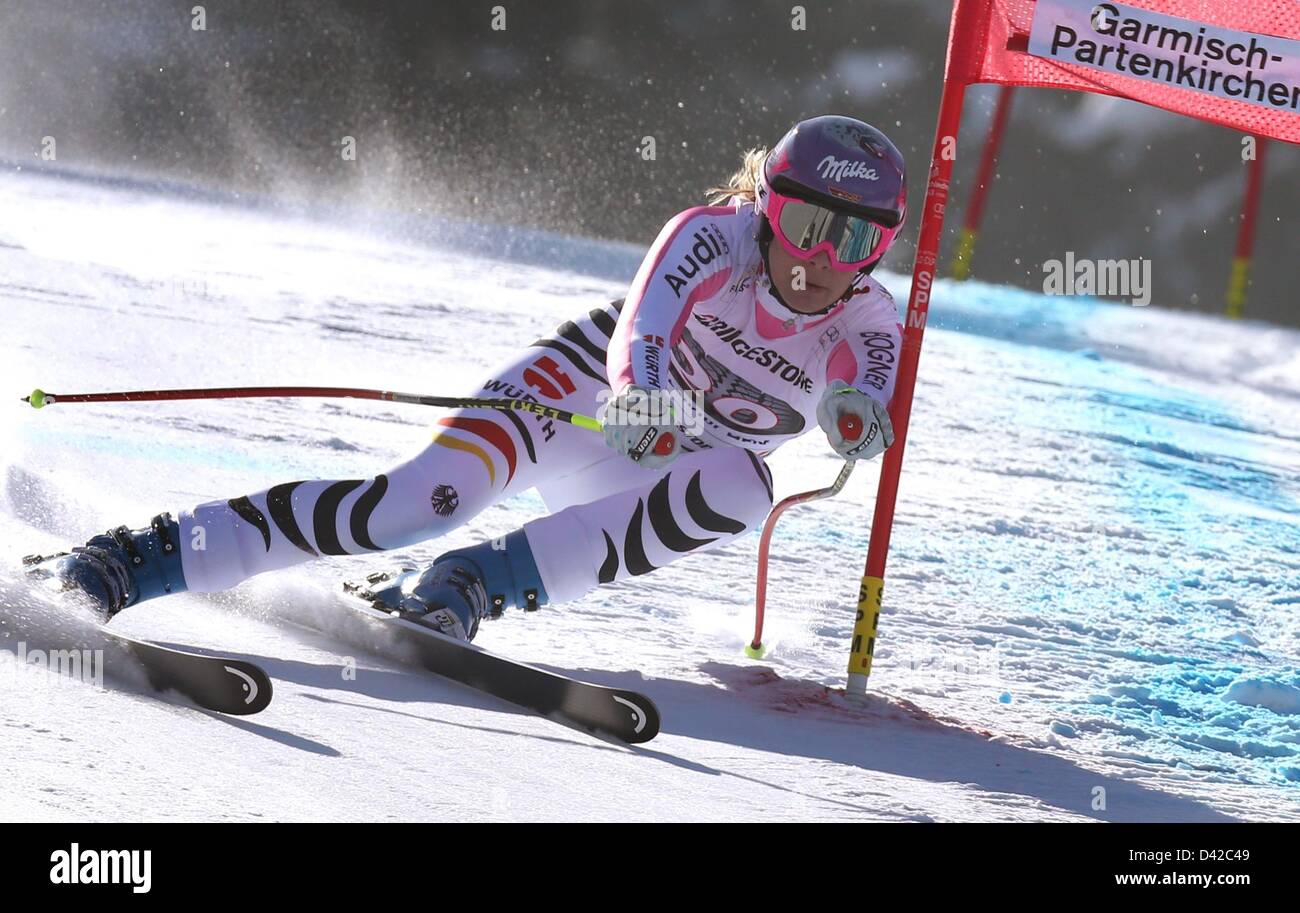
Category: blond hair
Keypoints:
(744, 182)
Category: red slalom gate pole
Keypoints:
(961, 261)
(966, 21)
(1240, 277)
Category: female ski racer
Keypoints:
(760, 307)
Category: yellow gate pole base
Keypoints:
(864, 636)
(965, 254)
(1236, 296)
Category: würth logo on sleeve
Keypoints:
(709, 245)
(652, 361)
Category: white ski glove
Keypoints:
(856, 425)
(642, 426)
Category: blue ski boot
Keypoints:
(460, 588)
(121, 567)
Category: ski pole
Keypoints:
(850, 427)
(39, 399)
(756, 648)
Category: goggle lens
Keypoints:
(805, 225)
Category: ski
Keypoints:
(613, 712)
(219, 683)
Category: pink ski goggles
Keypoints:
(852, 242)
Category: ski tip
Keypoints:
(258, 690)
(644, 717)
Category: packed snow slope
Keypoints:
(1089, 611)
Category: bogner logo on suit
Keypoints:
(880, 354)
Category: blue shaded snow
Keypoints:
(1179, 596)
